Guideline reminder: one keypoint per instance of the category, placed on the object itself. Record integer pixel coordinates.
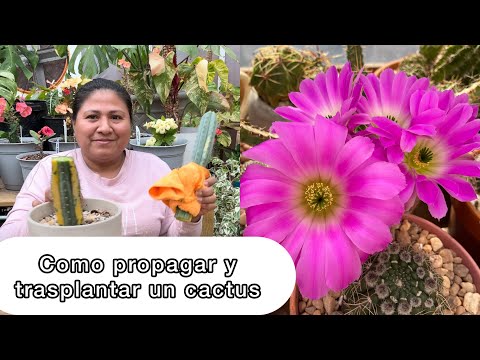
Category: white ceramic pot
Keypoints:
(110, 227)
(172, 155)
(28, 165)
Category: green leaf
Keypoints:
(123, 47)
(61, 50)
(217, 102)
(3, 134)
(190, 50)
(31, 56)
(142, 90)
(8, 87)
(220, 68)
(94, 59)
(184, 70)
(7, 74)
(163, 82)
(197, 95)
(224, 139)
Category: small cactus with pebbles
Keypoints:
(397, 281)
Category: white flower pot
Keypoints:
(172, 155)
(110, 227)
(10, 170)
(28, 165)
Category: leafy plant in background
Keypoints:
(11, 62)
(9, 116)
(164, 131)
(41, 136)
(151, 70)
(227, 212)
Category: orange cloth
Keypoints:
(178, 188)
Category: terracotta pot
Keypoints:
(110, 227)
(448, 241)
(465, 226)
(394, 65)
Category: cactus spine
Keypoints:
(66, 191)
(202, 150)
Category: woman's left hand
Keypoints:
(206, 197)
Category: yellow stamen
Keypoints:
(319, 196)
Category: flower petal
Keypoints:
(462, 150)
(406, 193)
(311, 264)
(294, 241)
(430, 194)
(388, 211)
(380, 180)
(353, 154)
(275, 228)
(465, 133)
(343, 264)
(303, 152)
(329, 139)
(265, 191)
(464, 167)
(274, 154)
(407, 141)
(394, 154)
(422, 129)
(367, 232)
(303, 102)
(266, 211)
(294, 114)
(458, 188)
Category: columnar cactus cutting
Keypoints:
(396, 281)
(66, 191)
(202, 151)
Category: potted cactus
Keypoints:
(69, 214)
(277, 71)
(423, 271)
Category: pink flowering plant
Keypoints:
(10, 116)
(358, 153)
(41, 136)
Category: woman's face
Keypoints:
(102, 127)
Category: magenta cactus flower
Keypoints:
(329, 95)
(330, 202)
(441, 159)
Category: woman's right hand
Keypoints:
(48, 198)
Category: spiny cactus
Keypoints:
(355, 56)
(202, 151)
(455, 67)
(66, 191)
(396, 281)
(278, 70)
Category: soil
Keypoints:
(36, 156)
(89, 217)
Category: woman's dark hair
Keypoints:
(89, 88)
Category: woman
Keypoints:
(102, 115)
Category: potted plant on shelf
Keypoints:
(163, 142)
(30, 159)
(10, 170)
(343, 173)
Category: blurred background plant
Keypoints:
(227, 212)
(455, 67)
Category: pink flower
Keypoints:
(441, 159)
(329, 95)
(124, 63)
(328, 201)
(218, 132)
(3, 105)
(23, 109)
(46, 131)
